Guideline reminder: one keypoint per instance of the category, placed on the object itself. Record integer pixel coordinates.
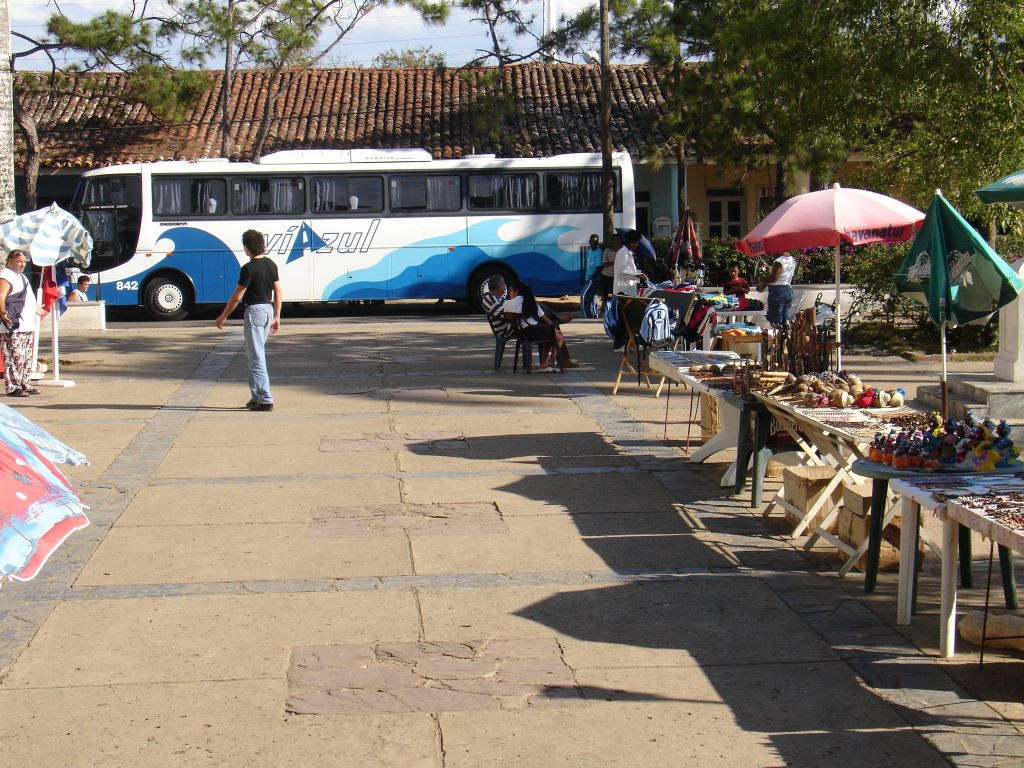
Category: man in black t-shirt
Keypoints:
(259, 291)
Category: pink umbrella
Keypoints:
(831, 217)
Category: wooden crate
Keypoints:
(710, 421)
(801, 488)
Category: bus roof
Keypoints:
(359, 159)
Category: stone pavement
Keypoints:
(414, 561)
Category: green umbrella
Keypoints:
(1008, 190)
(952, 270)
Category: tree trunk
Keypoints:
(226, 86)
(8, 208)
(681, 176)
(29, 129)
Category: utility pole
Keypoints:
(7, 205)
(607, 178)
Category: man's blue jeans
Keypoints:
(780, 299)
(258, 318)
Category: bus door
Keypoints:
(109, 207)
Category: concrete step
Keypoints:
(959, 406)
(966, 389)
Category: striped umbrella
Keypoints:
(49, 235)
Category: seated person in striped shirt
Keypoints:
(493, 304)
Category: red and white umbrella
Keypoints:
(39, 508)
(829, 218)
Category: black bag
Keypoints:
(14, 305)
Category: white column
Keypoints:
(1009, 363)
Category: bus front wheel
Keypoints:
(478, 284)
(167, 298)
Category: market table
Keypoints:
(675, 366)
(939, 494)
(821, 444)
(880, 475)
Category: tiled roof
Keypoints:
(349, 108)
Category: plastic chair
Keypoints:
(526, 338)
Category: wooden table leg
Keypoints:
(947, 619)
(1009, 581)
(966, 578)
(762, 425)
(905, 595)
(744, 447)
(879, 495)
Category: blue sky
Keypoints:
(385, 28)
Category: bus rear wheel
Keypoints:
(167, 298)
(478, 283)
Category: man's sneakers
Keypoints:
(254, 405)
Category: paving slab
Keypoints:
(230, 723)
(405, 520)
(239, 461)
(698, 730)
(445, 676)
(549, 493)
(196, 639)
(233, 503)
(226, 430)
(213, 553)
(551, 543)
(497, 422)
(708, 620)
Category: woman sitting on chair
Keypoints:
(539, 326)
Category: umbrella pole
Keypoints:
(945, 383)
(56, 381)
(838, 317)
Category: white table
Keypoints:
(919, 494)
(675, 366)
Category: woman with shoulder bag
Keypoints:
(18, 315)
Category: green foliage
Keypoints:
(1010, 247)
(871, 269)
(421, 58)
(955, 121)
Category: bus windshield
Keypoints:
(110, 208)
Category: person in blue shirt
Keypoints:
(595, 252)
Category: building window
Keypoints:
(765, 201)
(725, 216)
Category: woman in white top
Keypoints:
(627, 276)
(18, 314)
(780, 290)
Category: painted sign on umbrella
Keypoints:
(953, 271)
(38, 507)
(827, 218)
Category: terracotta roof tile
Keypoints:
(558, 111)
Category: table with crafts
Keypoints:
(675, 367)
(836, 438)
(990, 503)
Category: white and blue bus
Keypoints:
(345, 225)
